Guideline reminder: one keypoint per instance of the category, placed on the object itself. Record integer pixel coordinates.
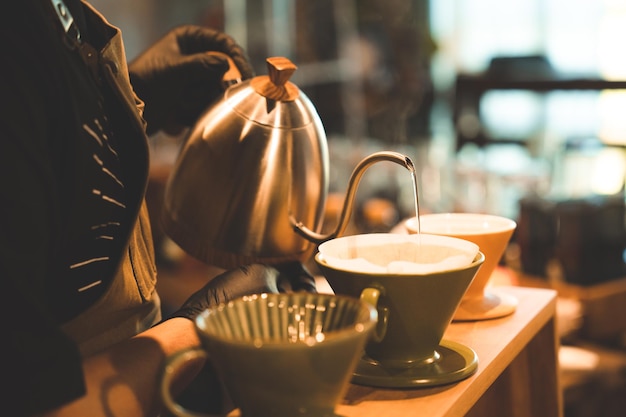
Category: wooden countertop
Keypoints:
(517, 375)
(498, 344)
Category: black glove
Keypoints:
(246, 280)
(293, 276)
(177, 79)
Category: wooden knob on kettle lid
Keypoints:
(280, 69)
(277, 86)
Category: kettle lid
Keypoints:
(272, 100)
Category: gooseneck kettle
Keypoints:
(251, 179)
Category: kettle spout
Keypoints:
(355, 178)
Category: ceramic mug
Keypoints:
(414, 307)
(280, 355)
(492, 234)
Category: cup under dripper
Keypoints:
(492, 234)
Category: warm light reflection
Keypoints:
(612, 66)
(599, 171)
(611, 34)
(220, 113)
(608, 175)
(612, 121)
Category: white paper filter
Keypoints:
(397, 253)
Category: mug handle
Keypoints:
(172, 364)
(371, 296)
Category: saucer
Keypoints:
(456, 362)
(492, 305)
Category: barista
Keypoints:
(83, 334)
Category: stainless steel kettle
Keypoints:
(251, 180)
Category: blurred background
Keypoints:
(514, 108)
(494, 102)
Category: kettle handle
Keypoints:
(232, 75)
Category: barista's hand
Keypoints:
(293, 276)
(177, 79)
(246, 280)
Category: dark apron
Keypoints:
(131, 304)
